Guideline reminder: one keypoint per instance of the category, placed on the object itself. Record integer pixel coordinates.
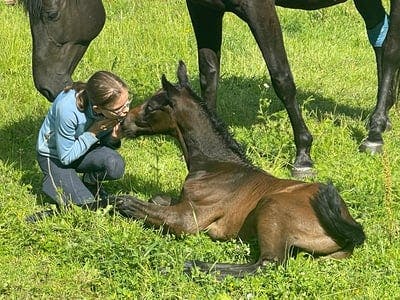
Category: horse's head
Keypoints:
(61, 32)
(157, 113)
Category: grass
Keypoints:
(93, 255)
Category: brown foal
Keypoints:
(228, 197)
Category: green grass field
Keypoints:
(87, 255)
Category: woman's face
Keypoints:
(118, 109)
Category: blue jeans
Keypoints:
(63, 184)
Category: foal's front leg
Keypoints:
(180, 218)
(164, 200)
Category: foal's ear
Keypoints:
(168, 87)
(182, 74)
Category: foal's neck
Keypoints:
(205, 137)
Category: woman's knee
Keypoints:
(115, 166)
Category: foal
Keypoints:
(227, 196)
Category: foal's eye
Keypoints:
(150, 108)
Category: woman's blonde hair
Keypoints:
(102, 89)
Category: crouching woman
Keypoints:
(80, 134)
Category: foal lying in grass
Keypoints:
(227, 196)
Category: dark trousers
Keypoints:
(63, 184)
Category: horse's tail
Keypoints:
(222, 270)
(335, 218)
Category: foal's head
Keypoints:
(157, 114)
(176, 110)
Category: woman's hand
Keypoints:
(116, 132)
(103, 125)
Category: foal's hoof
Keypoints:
(161, 200)
(126, 205)
(371, 147)
(188, 267)
(121, 199)
(40, 215)
(303, 172)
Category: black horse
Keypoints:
(227, 196)
(61, 33)
(62, 30)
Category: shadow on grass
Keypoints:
(132, 184)
(18, 149)
(238, 105)
(238, 101)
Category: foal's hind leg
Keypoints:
(339, 254)
(222, 270)
(207, 26)
(262, 18)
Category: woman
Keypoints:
(79, 135)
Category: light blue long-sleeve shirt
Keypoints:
(63, 133)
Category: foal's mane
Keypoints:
(219, 126)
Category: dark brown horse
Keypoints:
(228, 197)
(61, 33)
(62, 30)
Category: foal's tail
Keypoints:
(335, 218)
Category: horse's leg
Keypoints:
(207, 26)
(387, 61)
(263, 21)
(388, 76)
(307, 4)
(373, 14)
(390, 63)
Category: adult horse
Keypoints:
(225, 195)
(62, 30)
(61, 33)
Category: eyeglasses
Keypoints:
(119, 110)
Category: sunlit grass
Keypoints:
(94, 256)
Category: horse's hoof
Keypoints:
(371, 147)
(303, 172)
